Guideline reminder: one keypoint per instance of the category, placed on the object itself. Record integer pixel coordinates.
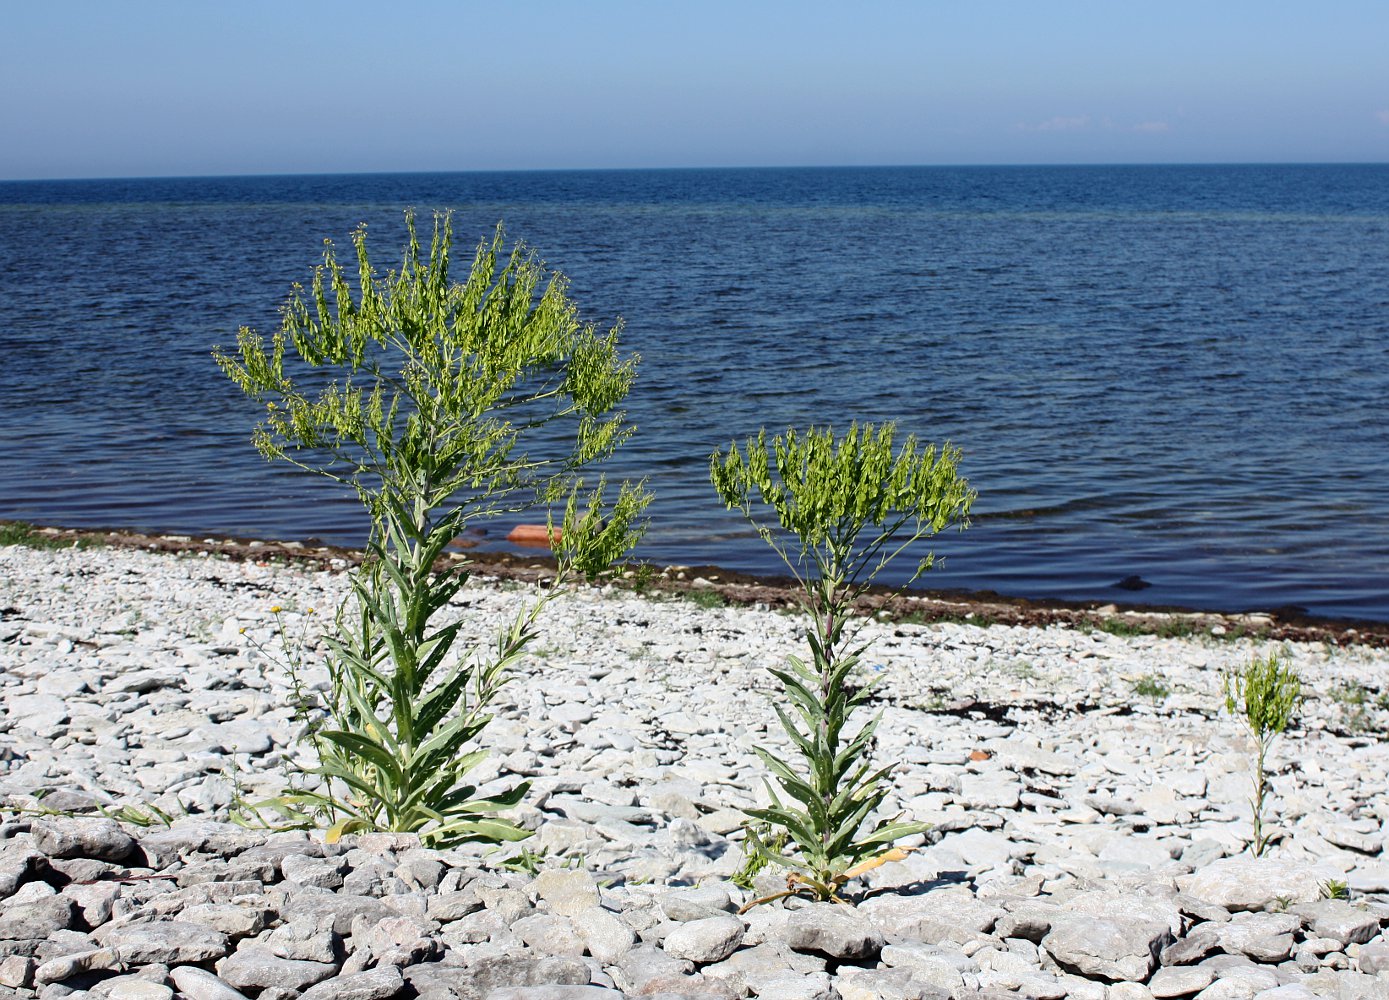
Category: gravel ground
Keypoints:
(1088, 802)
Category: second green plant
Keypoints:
(841, 510)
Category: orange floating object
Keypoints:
(533, 534)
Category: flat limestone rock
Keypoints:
(605, 936)
(568, 892)
(199, 984)
(552, 993)
(1179, 981)
(55, 970)
(1248, 883)
(167, 942)
(375, 984)
(1264, 937)
(709, 940)
(504, 971)
(951, 914)
(1340, 921)
(256, 967)
(833, 930)
(879, 984)
(37, 918)
(101, 839)
(1117, 950)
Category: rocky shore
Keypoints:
(1088, 802)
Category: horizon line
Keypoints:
(676, 169)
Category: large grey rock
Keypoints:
(449, 906)
(815, 986)
(930, 965)
(235, 921)
(17, 972)
(1342, 921)
(1179, 981)
(645, 967)
(1240, 984)
(1374, 958)
(135, 988)
(878, 984)
(255, 967)
(1370, 877)
(497, 972)
(305, 939)
(168, 942)
(1264, 937)
(975, 848)
(398, 940)
(1019, 753)
(1248, 883)
(1029, 984)
(1111, 949)
(199, 984)
(1134, 854)
(42, 714)
(1192, 948)
(709, 940)
(550, 934)
(569, 892)
(995, 790)
(764, 962)
(1129, 906)
(63, 967)
(187, 836)
(1345, 985)
(695, 904)
(343, 909)
(605, 936)
(1288, 991)
(17, 866)
(102, 839)
(952, 914)
(321, 873)
(37, 919)
(374, 984)
(553, 993)
(1029, 920)
(833, 930)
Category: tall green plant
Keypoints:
(1264, 696)
(843, 510)
(439, 403)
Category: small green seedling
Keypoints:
(1152, 687)
(1334, 888)
(1264, 696)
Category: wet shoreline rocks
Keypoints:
(1087, 839)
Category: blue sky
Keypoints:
(144, 88)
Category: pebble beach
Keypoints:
(1088, 801)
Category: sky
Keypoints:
(143, 88)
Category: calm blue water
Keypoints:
(1172, 372)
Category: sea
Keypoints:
(1168, 383)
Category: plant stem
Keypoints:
(1260, 789)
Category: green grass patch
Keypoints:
(946, 618)
(21, 533)
(1152, 687)
(706, 599)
